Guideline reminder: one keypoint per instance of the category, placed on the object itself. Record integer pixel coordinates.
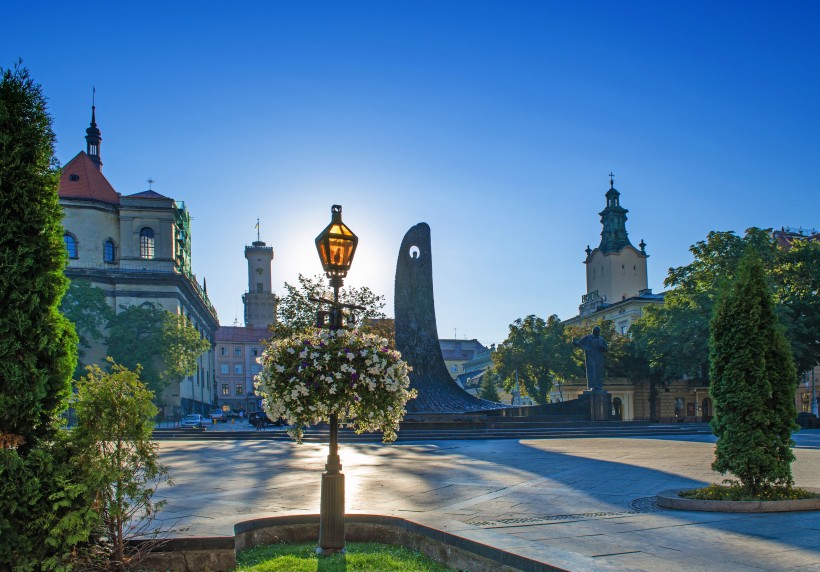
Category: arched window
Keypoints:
(147, 243)
(70, 245)
(109, 251)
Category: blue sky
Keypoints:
(494, 122)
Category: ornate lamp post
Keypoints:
(336, 245)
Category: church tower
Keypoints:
(93, 139)
(616, 270)
(259, 301)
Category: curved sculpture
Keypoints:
(417, 335)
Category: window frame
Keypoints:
(113, 247)
(75, 255)
(148, 241)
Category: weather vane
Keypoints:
(150, 182)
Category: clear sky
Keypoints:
(496, 123)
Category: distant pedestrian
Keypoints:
(241, 414)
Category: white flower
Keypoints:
(279, 368)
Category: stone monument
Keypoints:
(417, 334)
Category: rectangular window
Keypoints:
(237, 368)
(254, 368)
(240, 389)
(223, 351)
(237, 352)
(147, 243)
(223, 369)
(255, 351)
(225, 389)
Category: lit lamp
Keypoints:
(336, 245)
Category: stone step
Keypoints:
(321, 435)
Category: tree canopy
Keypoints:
(536, 351)
(673, 338)
(296, 310)
(86, 307)
(164, 345)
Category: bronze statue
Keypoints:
(594, 348)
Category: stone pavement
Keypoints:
(581, 504)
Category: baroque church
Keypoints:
(137, 249)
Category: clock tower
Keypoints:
(259, 300)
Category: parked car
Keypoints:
(194, 420)
(260, 419)
(232, 414)
(218, 415)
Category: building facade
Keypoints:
(137, 249)
(458, 352)
(237, 350)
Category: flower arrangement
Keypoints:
(308, 377)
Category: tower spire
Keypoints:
(93, 137)
(613, 219)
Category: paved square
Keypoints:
(538, 498)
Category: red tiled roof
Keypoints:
(241, 334)
(89, 184)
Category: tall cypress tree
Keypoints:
(41, 510)
(38, 346)
(752, 383)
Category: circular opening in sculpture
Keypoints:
(414, 252)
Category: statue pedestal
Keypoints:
(600, 404)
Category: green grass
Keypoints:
(360, 557)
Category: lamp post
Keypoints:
(336, 245)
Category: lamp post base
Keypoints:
(332, 514)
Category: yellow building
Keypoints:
(136, 248)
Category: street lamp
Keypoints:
(336, 245)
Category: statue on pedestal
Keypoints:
(594, 348)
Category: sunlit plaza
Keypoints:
(579, 504)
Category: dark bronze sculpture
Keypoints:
(417, 335)
(594, 348)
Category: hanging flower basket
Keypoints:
(307, 378)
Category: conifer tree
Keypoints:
(41, 509)
(489, 386)
(38, 346)
(752, 383)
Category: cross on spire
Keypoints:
(611, 180)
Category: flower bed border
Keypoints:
(671, 499)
